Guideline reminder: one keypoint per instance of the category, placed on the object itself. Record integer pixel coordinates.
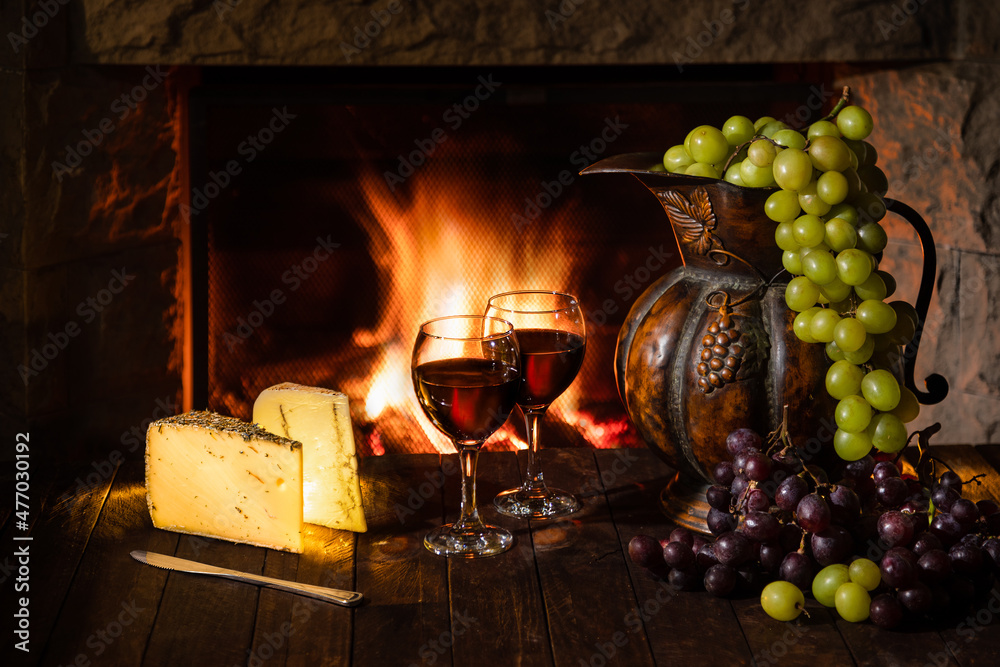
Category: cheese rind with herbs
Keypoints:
(217, 476)
(321, 420)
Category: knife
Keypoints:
(345, 598)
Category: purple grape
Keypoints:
(697, 542)
(645, 552)
(865, 488)
(991, 553)
(760, 526)
(860, 469)
(965, 511)
(749, 578)
(895, 528)
(790, 537)
(757, 501)
(797, 568)
(812, 513)
(723, 473)
(720, 580)
(790, 492)
(705, 558)
(925, 542)
(898, 568)
(742, 438)
(987, 507)
(845, 506)
(685, 580)
(682, 535)
(678, 555)
(972, 539)
(916, 598)
(884, 470)
(934, 566)
(718, 497)
(891, 491)
(740, 460)
(832, 545)
(950, 480)
(966, 559)
(771, 556)
(885, 611)
(739, 485)
(719, 522)
(732, 548)
(758, 466)
(944, 497)
(947, 529)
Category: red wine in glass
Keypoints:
(550, 360)
(468, 399)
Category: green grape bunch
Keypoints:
(826, 206)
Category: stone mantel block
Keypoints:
(522, 32)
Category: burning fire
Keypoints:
(430, 266)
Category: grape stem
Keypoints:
(845, 97)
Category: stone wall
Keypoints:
(90, 244)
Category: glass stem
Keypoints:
(534, 482)
(468, 455)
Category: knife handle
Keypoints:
(345, 598)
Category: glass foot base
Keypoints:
(477, 542)
(534, 505)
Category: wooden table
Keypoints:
(566, 594)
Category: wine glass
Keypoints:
(553, 340)
(465, 372)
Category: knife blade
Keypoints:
(345, 598)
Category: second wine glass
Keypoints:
(553, 340)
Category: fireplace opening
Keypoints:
(331, 214)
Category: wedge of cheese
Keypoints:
(321, 420)
(217, 476)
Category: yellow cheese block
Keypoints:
(321, 420)
(216, 476)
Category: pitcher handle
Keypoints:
(937, 386)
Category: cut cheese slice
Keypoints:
(217, 476)
(321, 420)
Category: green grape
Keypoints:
(832, 187)
(782, 206)
(792, 262)
(811, 202)
(851, 446)
(829, 154)
(877, 316)
(819, 266)
(850, 334)
(908, 408)
(784, 236)
(761, 122)
(782, 601)
(855, 122)
(659, 168)
(855, 188)
(863, 353)
(772, 128)
(808, 230)
(789, 139)
(703, 169)
(860, 152)
(761, 153)
(872, 238)
(874, 178)
(888, 433)
(738, 130)
(854, 266)
(843, 379)
(801, 325)
(852, 602)
(833, 352)
(881, 390)
(904, 309)
(853, 414)
(904, 331)
(801, 294)
(844, 211)
(792, 169)
(865, 573)
(732, 174)
(872, 288)
(676, 159)
(827, 581)
(754, 176)
(836, 292)
(822, 128)
(708, 144)
(890, 282)
(871, 154)
(840, 234)
(823, 324)
(871, 207)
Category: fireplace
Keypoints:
(89, 381)
(329, 220)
